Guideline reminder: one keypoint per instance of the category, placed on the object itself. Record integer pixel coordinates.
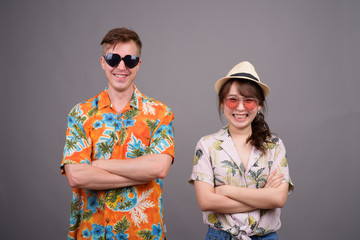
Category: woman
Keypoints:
(240, 173)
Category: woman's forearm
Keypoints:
(208, 200)
(263, 198)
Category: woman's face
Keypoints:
(239, 111)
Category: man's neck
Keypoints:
(120, 99)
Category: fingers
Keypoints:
(274, 180)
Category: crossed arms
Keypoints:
(232, 199)
(115, 173)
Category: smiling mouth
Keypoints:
(240, 116)
(120, 75)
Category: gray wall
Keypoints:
(307, 51)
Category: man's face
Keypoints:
(121, 78)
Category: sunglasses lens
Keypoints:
(131, 61)
(112, 59)
(232, 103)
(250, 104)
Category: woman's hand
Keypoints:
(274, 180)
(222, 190)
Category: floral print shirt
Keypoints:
(217, 162)
(96, 131)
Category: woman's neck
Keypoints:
(240, 134)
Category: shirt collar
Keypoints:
(223, 133)
(104, 100)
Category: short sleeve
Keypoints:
(202, 167)
(280, 163)
(162, 140)
(77, 144)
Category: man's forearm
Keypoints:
(89, 177)
(144, 168)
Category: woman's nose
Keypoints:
(241, 105)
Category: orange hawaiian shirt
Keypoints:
(96, 131)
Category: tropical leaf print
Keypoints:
(77, 223)
(156, 141)
(150, 150)
(76, 205)
(87, 215)
(112, 195)
(102, 202)
(123, 135)
(135, 147)
(198, 155)
(151, 124)
(71, 144)
(217, 180)
(257, 178)
(262, 231)
(130, 114)
(74, 114)
(231, 166)
(113, 136)
(252, 222)
(212, 218)
(122, 199)
(145, 234)
(284, 162)
(105, 148)
(217, 145)
(263, 212)
(79, 132)
(93, 111)
(122, 226)
(148, 107)
(137, 212)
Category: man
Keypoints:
(119, 147)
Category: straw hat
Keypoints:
(243, 70)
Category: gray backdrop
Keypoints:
(307, 51)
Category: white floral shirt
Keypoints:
(217, 162)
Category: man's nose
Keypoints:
(121, 65)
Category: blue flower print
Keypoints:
(71, 121)
(156, 231)
(135, 148)
(77, 211)
(97, 230)
(163, 134)
(129, 122)
(109, 118)
(122, 236)
(161, 205)
(160, 182)
(92, 204)
(117, 125)
(94, 102)
(86, 233)
(167, 128)
(97, 124)
(109, 235)
(86, 161)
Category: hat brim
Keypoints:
(219, 83)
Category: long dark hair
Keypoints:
(260, 129)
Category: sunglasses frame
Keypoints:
(130, 61)
(243, 100)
